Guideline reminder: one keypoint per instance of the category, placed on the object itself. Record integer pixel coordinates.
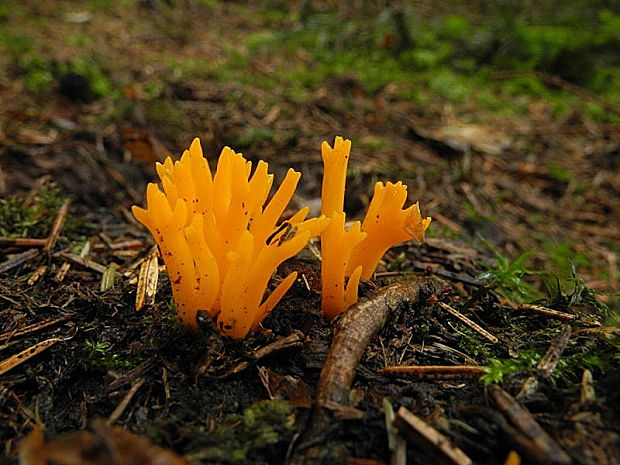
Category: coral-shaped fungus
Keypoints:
(356, 252)
(218, 236)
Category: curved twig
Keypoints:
(352, 333)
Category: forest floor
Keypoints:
(525, 207)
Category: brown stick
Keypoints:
(120, 408)
(22, 241)
(57, 226)
(352, 333)
(21, 357)
(18, 260)
(132, 244)
(293, 340)
(435, 372)
(529, 434)
(551, 358)
(547, 363)
(428, 437)
(547, 311)
(35, 327)
(83, 261)
(476, 327)
(40, 271)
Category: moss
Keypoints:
(261, 425)
(100, 355)
(32, 217)
(496, 368)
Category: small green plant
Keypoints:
(496, 368)
(98, 354)
(572, 292)
(506, 277)
(35, 72)
(471, 343)
(566, 259)
(32, 217)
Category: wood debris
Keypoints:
(356, 328)
(27, 354)
(104, 446)
(118, 411)
(547, 363)
(35, 327)
(285, 387)
(520, 427)
(435, 372)
(418, 431)
(18, 259)
(40, 271)
(352, 334)
(293, 340)
(83, 261)
(547, 311)
(22, 242)
(148, 278)
(57, 226)
(476, 327)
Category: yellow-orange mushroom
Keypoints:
(213, 235)
(386, 224)
(355, 253)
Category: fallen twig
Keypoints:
(295, 339)
(129, 244)
(19, 358)
(547, 311)
(40, 271)
(35, 327)
(132, 375)
(547, 363)
(476, 327)
(22, 242)
(62, 272)
(551, 358)
(525, 431)
(434, 372)
(83, 261)
(57, 226)
(18, 259)
(418, 431)
(120, 408)
(352, 333)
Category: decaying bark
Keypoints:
(354, 331)
(352, 334)
(418, 431)
(529, 437)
